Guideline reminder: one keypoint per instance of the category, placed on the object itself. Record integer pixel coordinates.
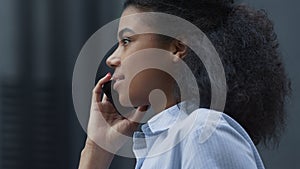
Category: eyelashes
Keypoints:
(125, 41)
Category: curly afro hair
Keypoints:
(247, 45)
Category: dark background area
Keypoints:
(39, 43)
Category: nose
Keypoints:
(113, 60)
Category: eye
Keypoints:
(125, 41)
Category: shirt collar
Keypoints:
(163, 120)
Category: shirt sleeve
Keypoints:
(224, 149)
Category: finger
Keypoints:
(106, 105)
(104, 98)
(138, 115)
(98, 88)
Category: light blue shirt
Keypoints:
(204, 139)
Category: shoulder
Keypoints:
(217, 140)
(210, 124)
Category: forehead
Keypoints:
(144, 22)
(130, 10)
(131, 19)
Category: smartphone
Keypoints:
(107, 91)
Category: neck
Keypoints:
(159, 101)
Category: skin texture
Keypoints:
(146, 81)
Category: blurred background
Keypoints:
(39, 43)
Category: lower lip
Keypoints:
(117, 84)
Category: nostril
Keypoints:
(113, 62)
(108, 63)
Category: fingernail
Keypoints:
(108, 74)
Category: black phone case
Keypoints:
(107, 90)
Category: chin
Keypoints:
(124, 101)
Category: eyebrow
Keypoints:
(121, 33)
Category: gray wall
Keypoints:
(39, 43)
(285, 15)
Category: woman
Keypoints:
(256, 81)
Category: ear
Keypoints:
(178, 49)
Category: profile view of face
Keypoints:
(145, 81)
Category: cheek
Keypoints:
(134, 92)
(139, 89)
(144, 82)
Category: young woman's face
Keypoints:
(145, 81)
